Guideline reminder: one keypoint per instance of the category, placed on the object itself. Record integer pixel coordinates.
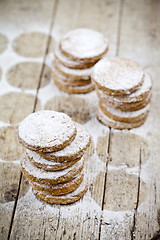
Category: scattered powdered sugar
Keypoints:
(127, 114)
(73, 73)
(41, 174)
(74, 149)
(46, 129)
(84, 43)
(118, 73)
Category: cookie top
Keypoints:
(46, 131)
(74, 150)
(84, 44)
(117, 75)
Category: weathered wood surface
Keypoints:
(123, 200)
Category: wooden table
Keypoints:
(123, 167)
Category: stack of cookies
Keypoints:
(124, 92)
(53, 160)
(75, 56)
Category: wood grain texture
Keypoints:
(16, 17)
(122, 166)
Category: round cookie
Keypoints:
(46, 131)
(70, 63)
(75, 74)
(44, 177)
(74, 150)
(113, 103)
(64, 199)
(74, 89)
(117, 76)
(61, 188)
(115, 124)
(140, 94)
(46, 165)
(67, 81)
(123, 116)
(84, 45)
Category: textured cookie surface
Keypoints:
(117, 75)
(84, 44)
(74, 89)
(75, 74)
(74, 150)
(69, 62)
(46, 131)
(128, 106)
(61, 188)
(116, 124)
(48, 165)
(44, 177)
(67, 81)
(64, 199)
(125, 116)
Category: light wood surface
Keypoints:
(123, 167)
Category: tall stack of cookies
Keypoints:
(75, 55)
(124, 92)
(54, 156)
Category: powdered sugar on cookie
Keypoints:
(46, 131)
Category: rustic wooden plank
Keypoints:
(16, 18)
(138, 41)
(80, 220)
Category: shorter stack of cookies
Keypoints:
(75, 56)
(124, 92)
(54, 157)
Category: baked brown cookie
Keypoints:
(84, 45)
(124, 116)
(61, 58)
(74, 150)
(45, 177)
(61, 188)
(117, 76)
(46, 165)
(74, 89)
(46, 131)
(116, 124)
(64, 199)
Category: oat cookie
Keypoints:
(46, 131)
(130, 106)
(123, 116)
(64, 199)
(61, 58)
(117, 76)
(67, 81)
(61, 188)
(74, 150)
(46, 165)
(115, 124)
(45, 177)
(75, 74)
(74, 89)
(84, 45)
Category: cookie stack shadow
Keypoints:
(54, 157)
(124, 92)
(74, 57)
